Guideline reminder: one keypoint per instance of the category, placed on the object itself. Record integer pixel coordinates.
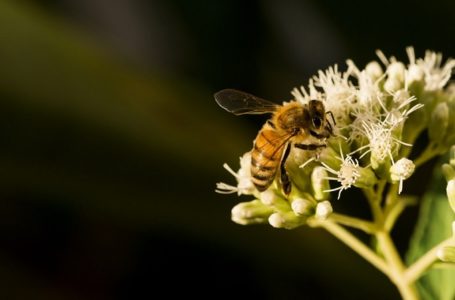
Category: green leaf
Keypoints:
(433, 226)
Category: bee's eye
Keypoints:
(317, 122)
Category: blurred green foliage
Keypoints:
(434, 226)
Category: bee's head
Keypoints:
(320, 127)
(317, 114)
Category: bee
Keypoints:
(303, 126)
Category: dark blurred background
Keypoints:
(111, 143)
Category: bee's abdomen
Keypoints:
(265, 158)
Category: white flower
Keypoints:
(339, 92)
(332, 87)
(244, 184)
(347, 175)
(401, 170)
(434, 75)
(303, 96)
(401, 110)
(368, 91)
(381, 141)
(378, 124)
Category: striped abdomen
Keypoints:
(266, 157)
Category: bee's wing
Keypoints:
(272, 143)
(239, 103)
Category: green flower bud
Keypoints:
(330, 158)
(449, 139)
(446, 254)
(253, 212)
(381, 168)
(271, 199)
(439, 121)
(366, 179)
(302, 207)
(414, 124)
(288, 220)
(452, 156)
(304, 204)
(320, 183)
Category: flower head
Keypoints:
(347, 175)
(430, 69)
(244, 184)
(401, 170)
(379, 112)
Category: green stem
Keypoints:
(384, 222)
(391, 196)
(423, 263)
(355, 244)
(394, 206)
(392, 213)
(363, 225)
(397, 267)
(427, 154)
(375, 205)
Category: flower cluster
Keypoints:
(379, 112)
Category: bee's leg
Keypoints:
(310, 146)
(285, 181)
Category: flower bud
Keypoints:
(439, 121)
(452, 156)
(320, 183)
(451, 193)
(323, 210)
(401, 170)
(271, 199)
(449, 139)
(302, 206)
(288, 220)
(448, 171)
(446, 254)
(415, 74)
(374, 70)
(329, 157)
(381, 167)
(366, 179)
(414, 124)
(395, 79)
(252, 212)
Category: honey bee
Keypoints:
(303, 126)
